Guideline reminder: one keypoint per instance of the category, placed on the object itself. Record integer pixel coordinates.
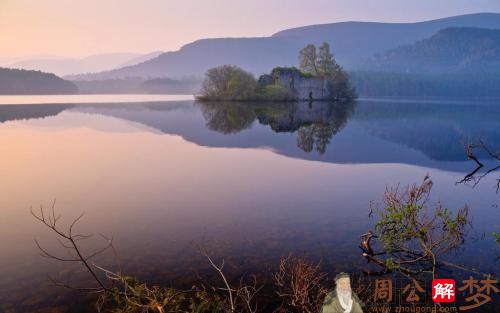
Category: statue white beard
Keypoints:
(345, 298)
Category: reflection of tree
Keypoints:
(318, 134)
(322, 135)
(227, 117)
(305, 138)
(315, 135)
(315, 122)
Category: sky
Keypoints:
(77, 28)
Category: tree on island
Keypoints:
(308, 59)
(317, 64)
(231, 83)
(326, 61)
(323, 64)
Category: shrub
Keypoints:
(275, 93)
(228, 82)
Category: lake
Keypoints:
(164, 175)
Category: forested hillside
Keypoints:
(449, 50)
(15, 82)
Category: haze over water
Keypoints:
(165, 175)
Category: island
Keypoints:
(318, 77)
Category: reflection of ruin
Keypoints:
(290, 117)
(315, 122)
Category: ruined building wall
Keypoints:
(303, 87)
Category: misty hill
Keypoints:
(467, 84)
(6, 60)
(351, 43)
(140, 58)
(139, 86)
(449, 50)
(18, 82)
(68, 66)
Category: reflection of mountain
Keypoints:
(427, 134)
(31, 111)
(437, 129)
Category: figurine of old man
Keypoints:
(342, 299)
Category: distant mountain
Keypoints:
(393, 84)
(139, 86)
(7, 61)
(140, 59)
(351, 43)
(69, 66)
(17, 82)
(449, 50)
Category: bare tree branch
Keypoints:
(68, 240)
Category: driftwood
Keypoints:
(472, 176)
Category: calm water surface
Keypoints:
(251, 181)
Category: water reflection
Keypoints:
(159, 175)
(315, 122)
(30, 111)
(419, 133)
(227, 117)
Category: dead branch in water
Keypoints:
(241, 298)
(69, 242)
(472, 177)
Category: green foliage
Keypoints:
(320, 64)
(229, 82)
(326, 62)
(341, 84)
(496, 236)
(413, 234)
(323, 64)
(307, 59)
(202, 302)
(275, 93)
(391, 264)
(306, 74)
(130, 296)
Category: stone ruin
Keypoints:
(302, 86)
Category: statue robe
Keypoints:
(332, 304)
